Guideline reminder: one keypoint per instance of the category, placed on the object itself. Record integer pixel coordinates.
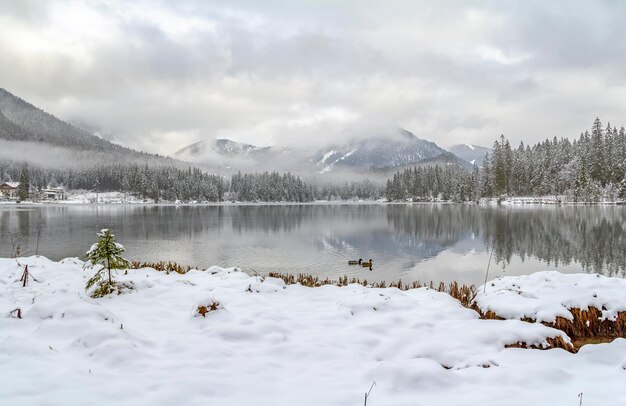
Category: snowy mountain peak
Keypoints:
(398, 148)
(473, 154)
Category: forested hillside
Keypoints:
(589, 169)
(270, 187)
(21, 121)
(43, 151)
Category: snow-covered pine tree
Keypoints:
(487, 177)
(108, 254)
(518, 173)
(619, 154)
(24, 187)
(597, 161)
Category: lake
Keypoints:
(438, 242)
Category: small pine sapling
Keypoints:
(107, 253)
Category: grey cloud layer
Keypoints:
(160, 75)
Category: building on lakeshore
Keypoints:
(55, 193)
(9, 189)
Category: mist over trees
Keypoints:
(588, 169)
(21, 121)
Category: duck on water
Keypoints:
(363, 264)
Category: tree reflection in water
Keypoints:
(321, 237)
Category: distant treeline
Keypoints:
(355, 190)
(169, 183)
(450, 183)
(589, 169)
(270, 187)
(154, 182)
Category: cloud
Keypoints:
(159, 75)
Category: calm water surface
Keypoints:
(411, 242)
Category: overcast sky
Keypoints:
(160, 75)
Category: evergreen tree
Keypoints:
(108, 254)
(487, 178)
(23, 188)
(597, 152)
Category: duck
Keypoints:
(355, 262)
(368, 264)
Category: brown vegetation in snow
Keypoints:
(161, 266)
(586, 327)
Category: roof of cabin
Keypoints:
(13, 185)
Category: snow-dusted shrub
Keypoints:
(108, 255)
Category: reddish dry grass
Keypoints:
(585, 328)
(588, 324)
(553, 342)
(597, 340)
(463, 293)
(161, 266)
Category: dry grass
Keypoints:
(598, 340)
(586, 327)
(463, 293)
(553, 342)
(161, 266)
(588, 324)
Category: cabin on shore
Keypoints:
(9, 189)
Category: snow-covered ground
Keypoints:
(86, 197)
(82, 197)
(271, 344)
(544, 296)
(547, 200)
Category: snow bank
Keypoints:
(544, 296)
(85, 197)
(267, 343)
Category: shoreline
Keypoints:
(580, 321)
(491, 203)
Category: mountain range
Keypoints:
(30, 134)
(396, 149)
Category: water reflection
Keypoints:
(438, 242)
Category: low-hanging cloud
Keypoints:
(160, 75)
